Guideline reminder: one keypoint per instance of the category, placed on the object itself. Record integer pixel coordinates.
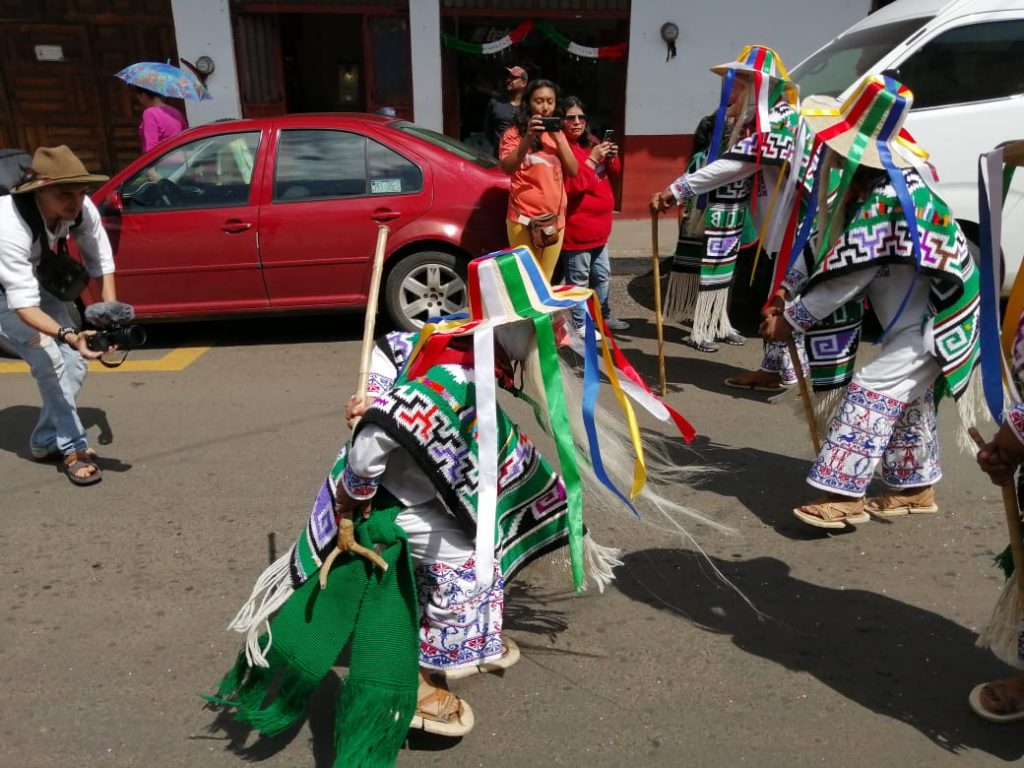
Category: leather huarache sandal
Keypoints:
(75, 462)
(1001, 701)
(827, 513)
(443, 713)
(920, 502)
(509, 656)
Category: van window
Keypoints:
(842, 62)
(971, 63)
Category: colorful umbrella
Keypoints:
(165, 79)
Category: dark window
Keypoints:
(313, 165)
(842, 62)
(390, 173)
(971, 63)
(213, 172)
(318, 164)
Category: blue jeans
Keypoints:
(589, 269)
(59, 372)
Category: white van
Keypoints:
(964, 62)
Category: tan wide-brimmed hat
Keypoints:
(867, 126)
(56, 165)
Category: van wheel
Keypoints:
(425, 285)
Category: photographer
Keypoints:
(535, 153)
(39, 214)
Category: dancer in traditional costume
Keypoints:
(759, 99)
(886, 235)
(438, 484)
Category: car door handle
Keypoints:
(234, 226)
(384, 214)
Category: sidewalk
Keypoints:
(630, 242)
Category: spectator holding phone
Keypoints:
(536, 154)
(588, 217)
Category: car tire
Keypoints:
(423, 285)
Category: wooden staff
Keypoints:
(1013, 527)
(657, 303)
(805, 394)
(346, 540)
(371, 311)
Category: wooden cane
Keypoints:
(657, 303)
(1013, 525)
(361, 386)
(371, 317)
(805, 394)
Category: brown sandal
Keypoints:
(920, 502)
(443, 713)
(75, 462)
(828, 513)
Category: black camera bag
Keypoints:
(57, 272)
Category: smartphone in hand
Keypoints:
(609, 135)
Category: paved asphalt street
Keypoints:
(115, 598)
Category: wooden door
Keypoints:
(116, 44)
(260, 69)
(51, 102)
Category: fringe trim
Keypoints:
(971, 406)
(245, 688)
(271, 591)
(1002, 634)
(823, 404)
(371, 724)
(600, 562)
(681, 296)
(711, 317)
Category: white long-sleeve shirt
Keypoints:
(20, 253)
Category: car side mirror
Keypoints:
(114, 202)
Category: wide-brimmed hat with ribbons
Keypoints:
(56, 165)
(510, 300)
(771, 82)
(867, 126)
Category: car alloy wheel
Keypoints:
(425, 285)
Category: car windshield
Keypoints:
(839, 64)
(466, 152)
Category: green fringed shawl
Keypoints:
(377, 612)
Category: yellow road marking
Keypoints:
(175, 360)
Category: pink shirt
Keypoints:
(160, 123)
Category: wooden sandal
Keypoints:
(826, 513)
(451, 716)
(74, 462)
(509, 655)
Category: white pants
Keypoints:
(458, 625)
(887, 415)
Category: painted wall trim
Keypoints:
(203, 28)
(425, 42)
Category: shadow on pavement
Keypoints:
(892, 658)
(767, 484)
(281, 329)
(18, 421)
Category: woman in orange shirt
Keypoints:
(538, 158)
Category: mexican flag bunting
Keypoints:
(493, 47)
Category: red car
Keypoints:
(282, 213)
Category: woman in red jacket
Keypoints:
(588, 215)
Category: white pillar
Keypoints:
(425, 44)
(203, 28)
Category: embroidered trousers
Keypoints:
(887, 417)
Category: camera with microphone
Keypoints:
(113, 323)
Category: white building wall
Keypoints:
(425, 41)
(669, 97)
(203, 28)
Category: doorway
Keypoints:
(324, 62)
